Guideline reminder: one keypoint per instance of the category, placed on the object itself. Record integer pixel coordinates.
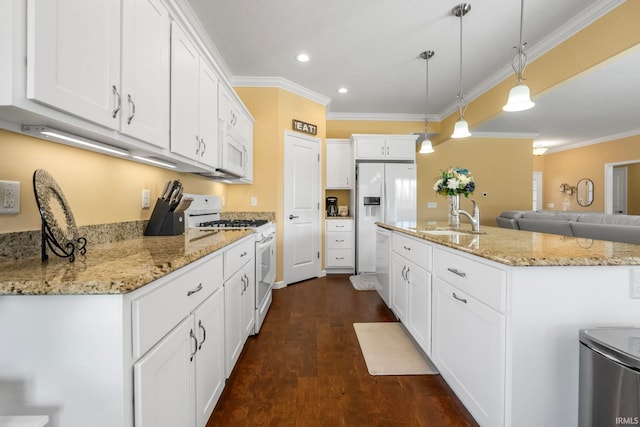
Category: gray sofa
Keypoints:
(599, 226)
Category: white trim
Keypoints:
(504, 135)
(608, 182)
(383, 117)
(282, 83)
(608, 138)
(573, 26)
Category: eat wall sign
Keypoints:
(305, 127)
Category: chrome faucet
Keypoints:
(475, 219)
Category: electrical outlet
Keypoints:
(10, 197)
(634, 283)
(432, 205)
(254, 201)
(146, 199)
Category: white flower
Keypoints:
(464, 179)
(437, 184)
(453, 183)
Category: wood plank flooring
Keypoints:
(305, 368)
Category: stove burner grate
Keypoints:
(235, 223)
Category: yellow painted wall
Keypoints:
(99, 189)
(633, 189)
(346, 128)
(586, 162)
(273, 110)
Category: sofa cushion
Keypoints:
(546, 225)
(607, 231)
(548, 216)
(632, 220)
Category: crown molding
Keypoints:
(504, 135)
(382, 117)
(581, 144)
(281, 83)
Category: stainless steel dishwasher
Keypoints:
(609, 377)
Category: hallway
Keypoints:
(305, 368)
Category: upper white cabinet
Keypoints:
(73, 58)
(194, 94)
(236, 137)
(339, 164)
(104, 61)
(384, 147)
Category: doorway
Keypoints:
(302, 215)
(615, 183)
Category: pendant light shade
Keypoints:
(426, 147)
(461, 128)
(519, 96)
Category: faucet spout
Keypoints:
(475, 219)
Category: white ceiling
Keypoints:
(372, 47)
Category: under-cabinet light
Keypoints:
(155, 162)
(63, 137)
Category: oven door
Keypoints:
(265, 277)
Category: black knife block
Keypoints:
(164, 221)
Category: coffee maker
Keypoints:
(332, 206)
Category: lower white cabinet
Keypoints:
(339, 245)
(239, 287)
(469, 350)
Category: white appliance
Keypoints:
(204, 214)
(234, 154)
(383, 264)
(385, 192)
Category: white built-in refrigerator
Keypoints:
(385, 192)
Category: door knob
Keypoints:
(293, 216)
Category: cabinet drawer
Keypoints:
(482, 281)
(339, 225)
(236, 256)
(157, 312)
(416, 251)
(339, 240)
(340, 258)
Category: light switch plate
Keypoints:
(9, 197)
(432, 205)
(254, 201)
(146, 202)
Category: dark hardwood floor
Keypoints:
(305, 368)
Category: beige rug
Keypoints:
(364, 282)
(389, 350)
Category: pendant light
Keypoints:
(426, 147)
(461, 128)
(519, 96)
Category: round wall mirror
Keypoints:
(584, 192)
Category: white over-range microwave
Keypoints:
(234, 154)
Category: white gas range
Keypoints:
(204, 214)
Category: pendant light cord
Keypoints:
(521, 57)
(460, 95)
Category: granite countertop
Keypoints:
(112, 268)
(524, 248)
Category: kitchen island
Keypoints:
(499, 311)
(133, 332)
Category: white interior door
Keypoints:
(301, 207)
(619, 190)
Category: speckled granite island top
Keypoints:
(525, 248)
(112, 268)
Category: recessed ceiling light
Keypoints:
(303, 57)
(343, 90)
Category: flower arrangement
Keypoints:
(454, 181)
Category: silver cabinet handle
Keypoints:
(195, 340)
(193, 291)
(243, 254)
(339, 240)
(458, 298)
(404, 267)
(204, 147)
(387, 150)
(407, 274)
(114, 113)
(382, 150)
(132, 108)
(406, 248)
(339, 226)
(457, 272)
(293, 216)
(339, 257)
(204, 334)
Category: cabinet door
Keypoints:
(400, 148)
(145, 71)
(419, 306)
(469, 350)
(208, 118)
(73, 57)
(339, 164)
(248, 300)
(185, 65)
(398, 287)
(233, 292)
(209, 361)
(370, 148)
(164, 381)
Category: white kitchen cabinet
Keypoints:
(384, 147)
(235, 137)
(194, 91)
(145, 71)
(411, 287)
(239, 288)
(339, 246)
(339, 164)
(73, 57)
(469, 351)
(104, 61)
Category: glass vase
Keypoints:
(454, 206)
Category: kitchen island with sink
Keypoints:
(499, 311)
